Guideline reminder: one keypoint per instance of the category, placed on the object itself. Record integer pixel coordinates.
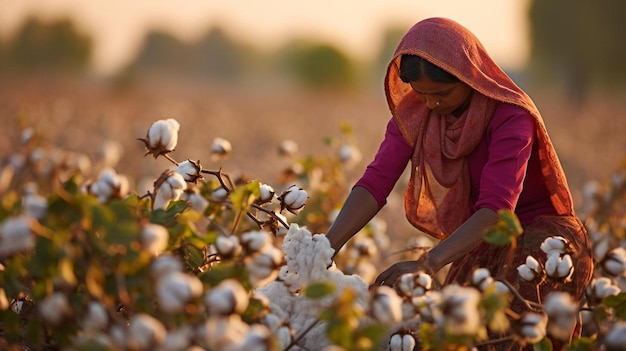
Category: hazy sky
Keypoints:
(355, 25)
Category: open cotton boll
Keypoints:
(614, 263)
(559, 267)
(531, 270)
(164, 134)
(386, 305)
(165, 264)
(266, 193)
(562, 314)
(227, 246)
(175, 290)
(145, 331)
(178, 339)
(615, 339)
(293, 199)
(96, 317)
(532, 327)
(190, 170)
(254, 241)
(35, 206)
(154, 238)
(461, 306)
(54, 308)
(222, 332)
(307, 258)
(16, 235)
(226, 298)
(554, 244)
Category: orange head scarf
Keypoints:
(437, 197)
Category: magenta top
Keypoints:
(504, 168)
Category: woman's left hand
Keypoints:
(393, 273)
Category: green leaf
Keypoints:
(505, 230)
(168, 217)
(618, 303)
(243, 196)
(496, 236)
(544, 345)
(509, 220)
(319, 290)
(582, 344)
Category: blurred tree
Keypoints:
(390, 39)
(577, 44)
(317, 65)
(213, 58)
(53, 47)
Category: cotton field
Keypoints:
(206, 258)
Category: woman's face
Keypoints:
(443, 98)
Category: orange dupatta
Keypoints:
(437, 197)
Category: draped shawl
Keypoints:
(437, 196)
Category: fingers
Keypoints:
(386, 278)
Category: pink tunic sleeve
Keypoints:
(390, 161)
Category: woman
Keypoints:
(477, 144)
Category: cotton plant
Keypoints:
(109, 185)
(308, 260)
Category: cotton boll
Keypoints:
(177, 181)
(16, 235)
(532, 327)
(165, 264)
(263, 265)
(190, 170)
(554, 244)
(175, 290)
(145, 332)
(163, 134)
(96, 317)
(196, 201)
(531, 270)
(614, 263)
(293, 199)
(562, 314)
(226, 298)
(221, 332)
(266, 193)
(54, 308)
(178, 339)
(481, 278)
(169, 187)
(35, 206)
(221, 147)
(258, 338)
(600, 288)
(460, 305)
(288, 148)
(560, 268)
(615, 339)
(154, 238)
(227, 246)
(219, 195)
(386, 305)
(414, 284)
(254, 241)
(402, 342)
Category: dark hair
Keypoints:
(413, 67)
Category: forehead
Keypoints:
(428, 86)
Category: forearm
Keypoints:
(360, 207)
(467, 237)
